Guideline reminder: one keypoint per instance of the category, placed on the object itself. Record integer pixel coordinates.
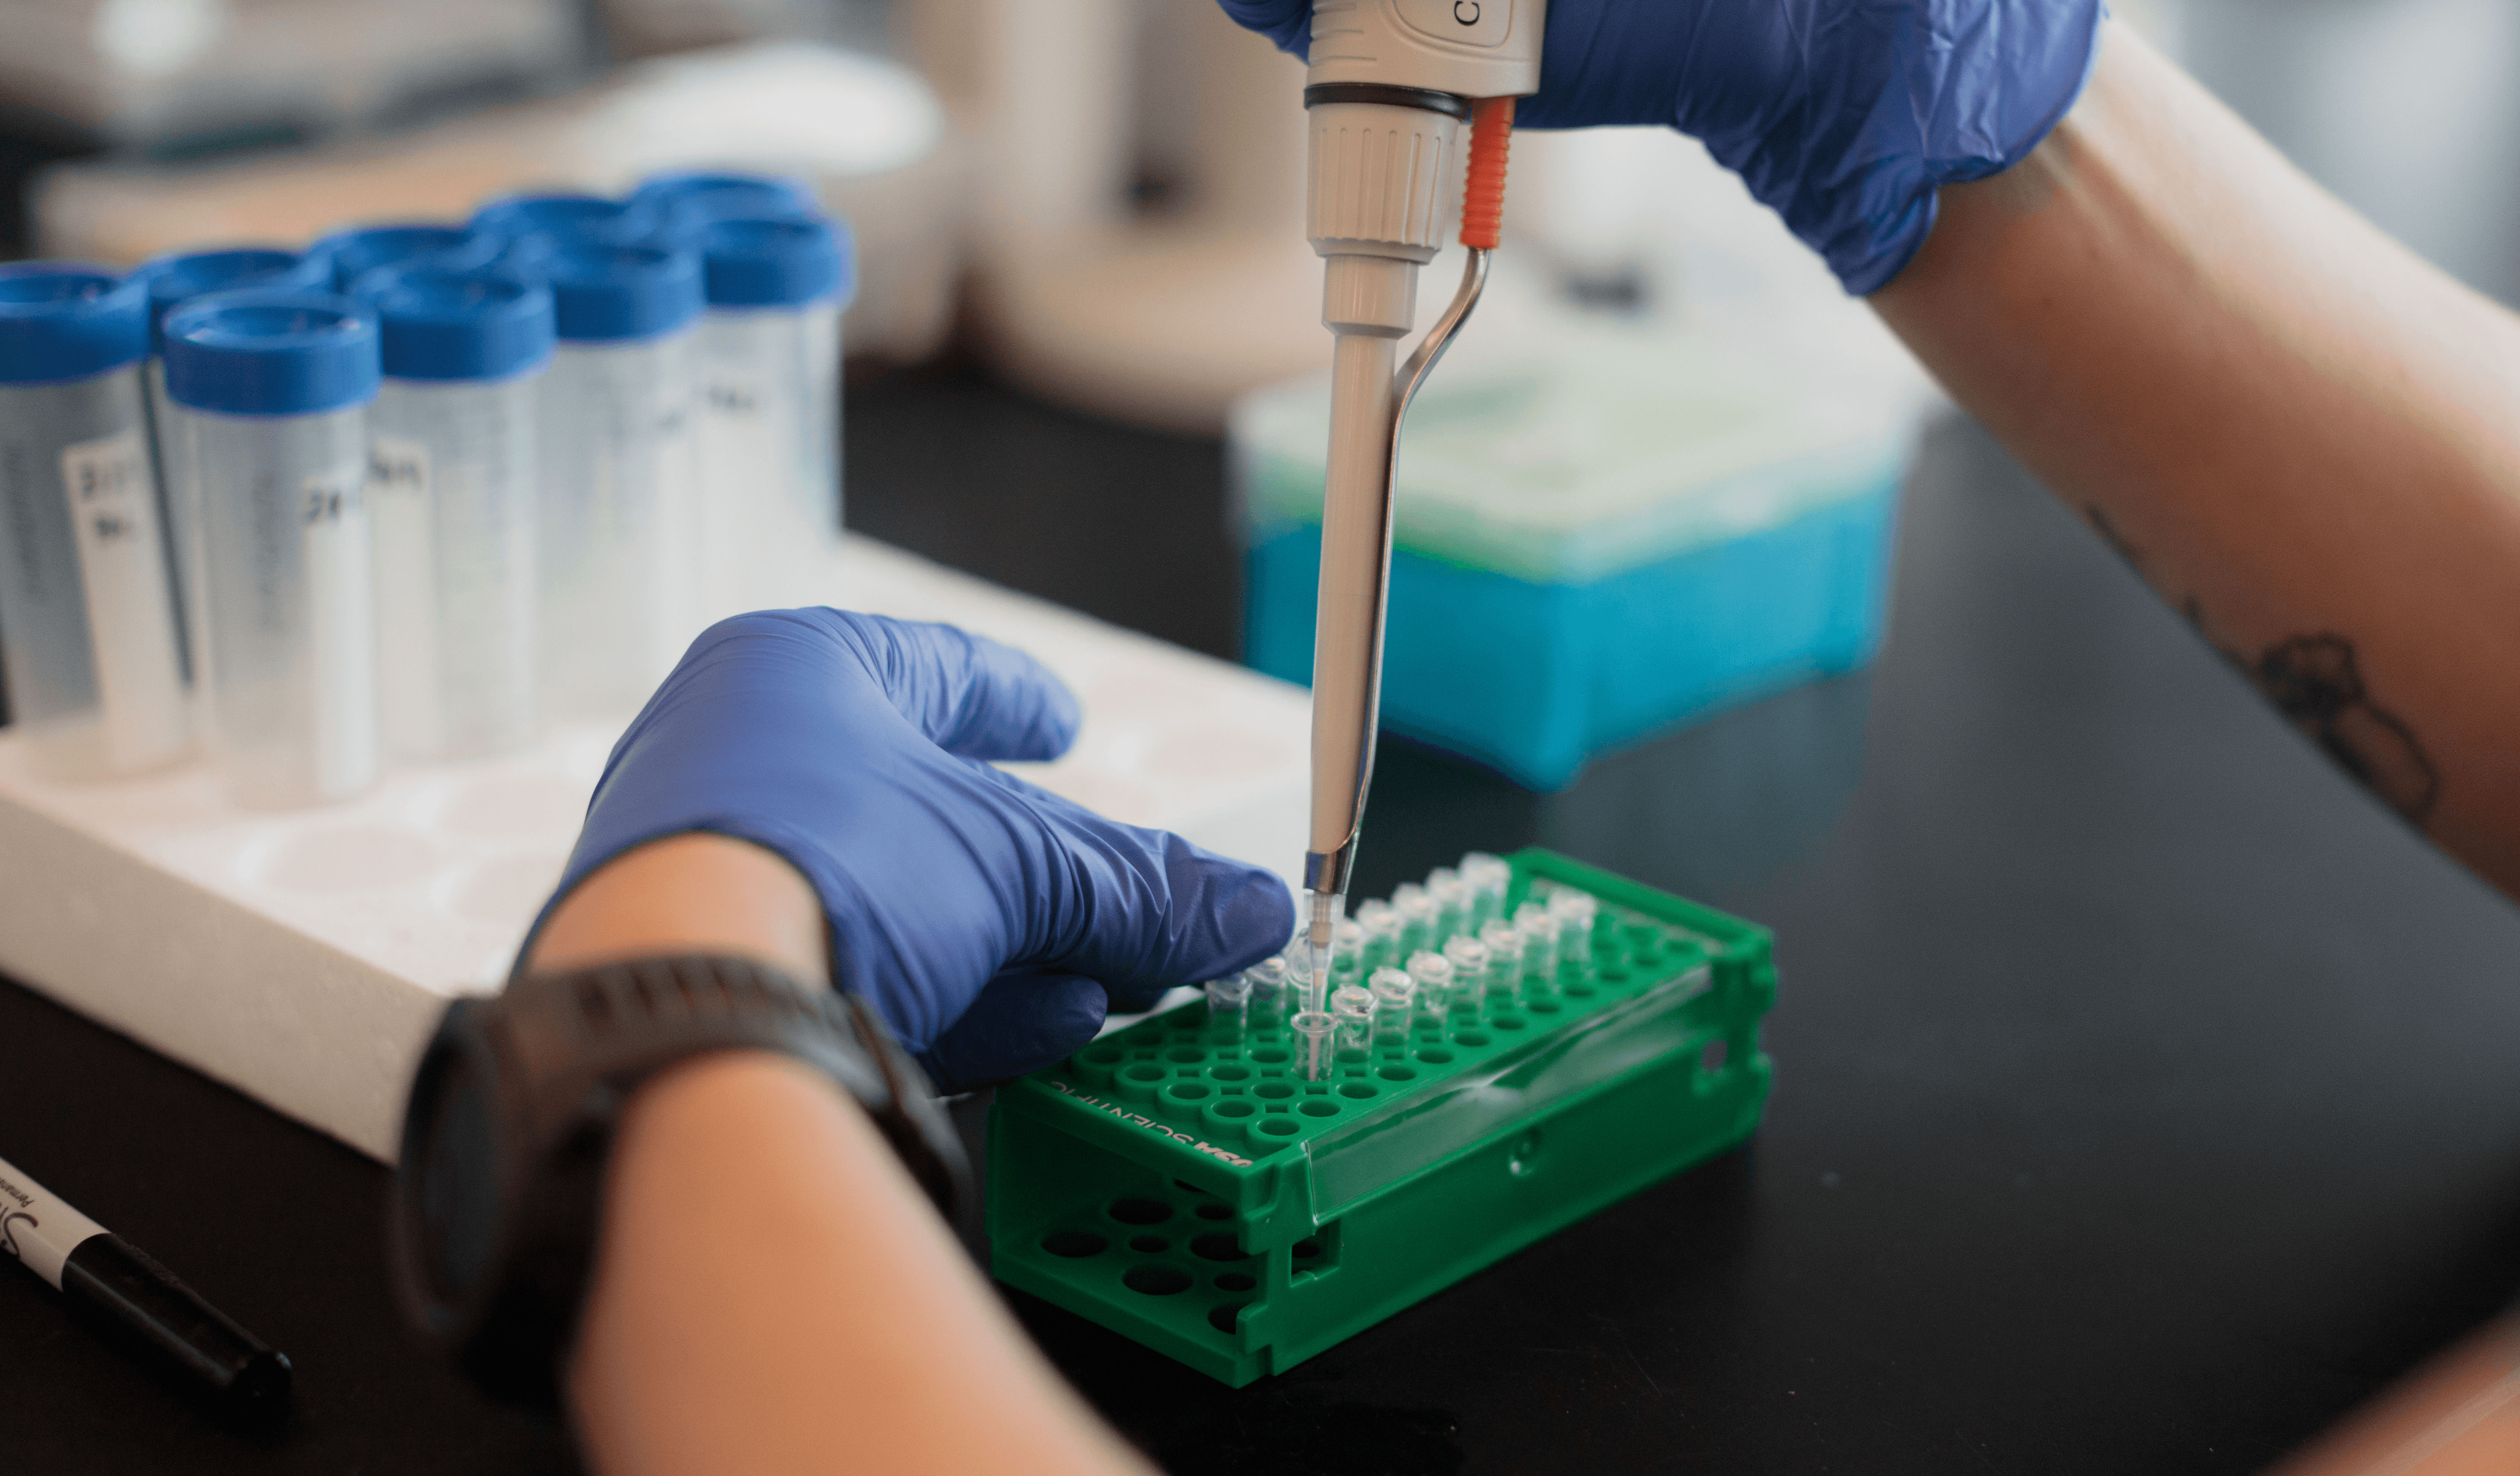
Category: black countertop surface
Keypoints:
(2146, 1097)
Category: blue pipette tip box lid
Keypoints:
(770, 264)
(618, 293)
(433, 323)
(360, 249)
(178, 277)
(268, 352)
(68, 320)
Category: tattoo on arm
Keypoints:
(2313, 681)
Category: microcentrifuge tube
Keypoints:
(1267, 998)
(1539, 943)
(1313, 1026)
(1382, 924)
(1469, 960)
(1505, 959)
(1416, 917)
(1575, 912)
(1452, 904)
(1487, 877)
(1352, 1014)
(1347, 950)
(1228, 1001)
(1395, 996)
(1434, 975)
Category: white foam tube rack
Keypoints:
(302, 956)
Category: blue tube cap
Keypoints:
(615, 294)
(271, 352)
(777, 263)
(438, 323)
(534, 227)
(181, 275)
(68, 320)
(727, 193)
(361, 250)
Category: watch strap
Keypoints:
(553, 1059)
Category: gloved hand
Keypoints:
(1842, 116)
(989, 923)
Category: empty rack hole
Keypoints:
(1320, 1109)
(1219, 1247)
(1231, 1109)
(1140, 1211)
(1280, 1127)
(1224, 1315)
(1360, 1089)
(1156, 1279)
(1074, 1244)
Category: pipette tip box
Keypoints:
(1593, 546)
(1180, 1182)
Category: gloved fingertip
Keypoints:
(1019, 1023)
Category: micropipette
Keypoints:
(1390, 83)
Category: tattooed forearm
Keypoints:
(2315, 681)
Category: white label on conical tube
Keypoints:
(402, 510)
(333, 518)
(130, 611)
(37, 1228)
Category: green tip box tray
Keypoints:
(1179, 1181)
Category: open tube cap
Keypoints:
(268, 352)
(777, 263)
(433, 323)
(615, 294)
(68, 320)
(361, 250)
(181, 275)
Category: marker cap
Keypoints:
(262, 352)
(68, 320)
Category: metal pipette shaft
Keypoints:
(1367, 404)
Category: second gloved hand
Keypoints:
(1842, 116)
(988, 921)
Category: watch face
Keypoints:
(452, 1192)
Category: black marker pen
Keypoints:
(116, 1282)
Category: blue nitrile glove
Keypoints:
(989, 923)
(1842, 116)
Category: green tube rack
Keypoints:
(1180, 1183)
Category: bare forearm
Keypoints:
(2305, 437)
(772, 1292)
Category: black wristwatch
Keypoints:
(509, 1125)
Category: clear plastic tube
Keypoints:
(768, 439)
(1434, 975)
(286, 591)
(452, 503)
(1229, 1001)
(88, 630)
(1487, 877)
(1382, 924)
(1416, 912)
(1452, 898)
(1267, 998)
(1395, 996)
(1347, 951)
(1505, 959)
(1352, 1017)
(617, 537)
(1575, 913)
(1539, 932)
(1469, 960)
